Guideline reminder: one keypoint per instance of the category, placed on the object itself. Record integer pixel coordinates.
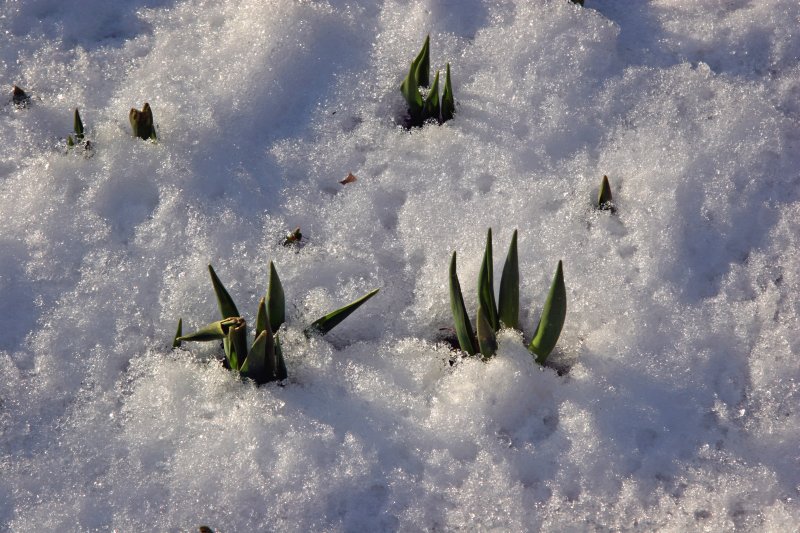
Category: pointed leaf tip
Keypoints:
(605, 201)
(224, 301)
(326, 323)
(276, 300)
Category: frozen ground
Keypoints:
(681, 411)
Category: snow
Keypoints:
(680, 408)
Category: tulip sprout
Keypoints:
(505, 312)
(420, 110)
(263, 361)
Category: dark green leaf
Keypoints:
(508, 304)
(410, 91)
(487, 341)
(466, 338)
(432, 102)
(552, 319)
(276, 301)
(448, 102)
(331, 320)
(486, 285)
(224, 301)
(422, 64)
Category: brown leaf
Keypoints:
(349, 179)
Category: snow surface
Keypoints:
(680, 411)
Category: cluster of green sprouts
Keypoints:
(262, 361)
(505, 311)
(420, 110)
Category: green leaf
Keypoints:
(422, 64)
(280, 364)
(176, 341)
(432, 102)
(552, 319)
(486, 335)
(448, 102)
(331, 320)
(466, 338)
(212, 332)
(604, 200)
(486, 285)
(70, 142)
(508, 304)
(78, 125)
(261, 317)
(224, 301)
(410, 91)
(276, 301)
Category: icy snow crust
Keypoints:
(680, 410)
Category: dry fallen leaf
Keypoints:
(349, 179)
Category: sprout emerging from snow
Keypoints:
(492, 315)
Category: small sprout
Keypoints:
(349, 179)
(204, 529)
(604, 200)
(552, 319)
(295, 237)
(78, 125)
(263, 361)
(20, 98)
(77, 138)
(580, 2)
(142, 123)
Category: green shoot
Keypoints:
(508, 305)
(552, 319)
(466, 338)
